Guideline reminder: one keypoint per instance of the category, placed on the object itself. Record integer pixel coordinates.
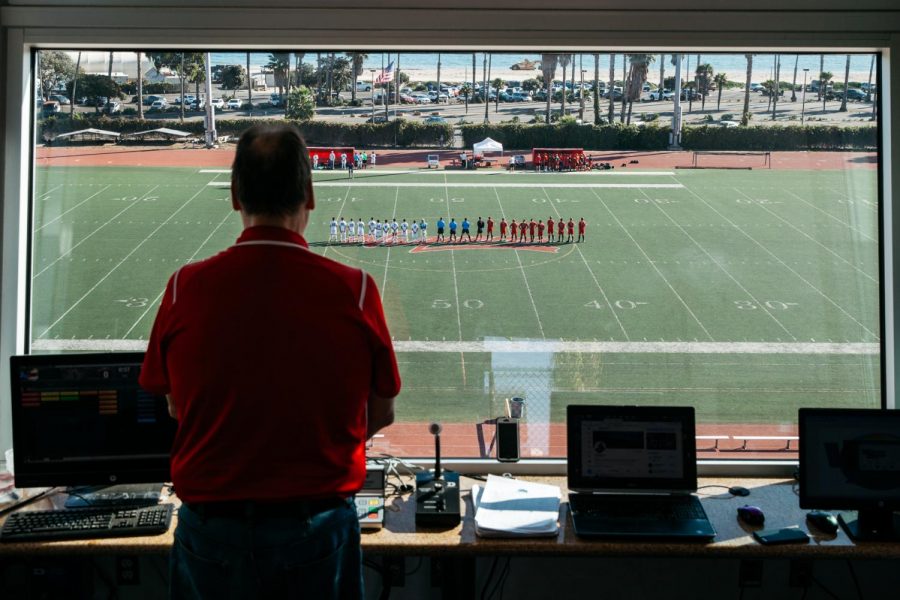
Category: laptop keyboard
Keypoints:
(638, 507)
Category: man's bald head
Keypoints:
(271, 172)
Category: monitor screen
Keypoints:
(82, 419)
(849, 458)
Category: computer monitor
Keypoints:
(850, 460)
(82, 419)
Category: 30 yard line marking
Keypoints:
(64, 213)
(652, 263)
(782, 263)
(590, 270)
(527, 287)
(831, 216)
(88, 236)
(823, 246)
(724, 270)
(539, 346)
(120, 263)
(387, 259)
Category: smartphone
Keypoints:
(507, 439)
(788, 535)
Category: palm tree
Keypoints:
(439, 80)
(704, 75)
(777, 85)
(549, 63)
(612, 83)
(140, 87)
(496, 83)
(846, 86)
(662, 75)
(356, 64)
(487, 88)
(637, 76)
(745, 116)
(564, 60)
(794, 82)
(624, 88)
(597, 88)
(280, 64)
(298, 69)
(466, 91)
(869, 86)
(769, 86)
(824, 78)
(78, 68)
(821, 70)
(721, 79)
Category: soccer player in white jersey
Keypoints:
(414, 227)
(394, 227)
(387, 232)
(351, 231)
(372, 229)
(332, 228)
(379, 231)
(342, 227)
(360, 231)
(423, 232)
(404, 229)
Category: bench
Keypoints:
(715, 439)
(772, 438)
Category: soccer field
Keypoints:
(744, 293)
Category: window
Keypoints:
(739, 275)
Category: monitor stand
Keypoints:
(113, 496)
(871, 525)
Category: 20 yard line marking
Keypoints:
(120, 263)
(782, 263)
(652, 263)
(527, 287)
(64, 213)
(591, 271)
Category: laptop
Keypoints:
(632, 473)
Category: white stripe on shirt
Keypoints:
(362, 293)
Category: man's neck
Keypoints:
(296, 222)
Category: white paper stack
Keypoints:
(515, 508)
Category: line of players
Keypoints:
(384, 232)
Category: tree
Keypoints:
(301, 104)
(188, 65)
(533, 84)
(704, 75)
(466, 91)
(824, 78)
(846, 86)
(612, 83)
(637, 76)
(721, 80)
(549, 62)
(769, 86)
(280, 65)
(55, 68)
(140, 86)
(745, 115)
(662, 74)
(233, 77)
(596, 88)
(777, 90)
(75, 85)
(97, 86)
(337, 71)
(357, 59)
(794, 82)
(564, 61)
(496, 83)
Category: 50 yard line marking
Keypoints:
(121, 262)
(781, 262)
(652, 263)
(462, 356)
(387, 259)
(527, 287)
(88, 236)
(64, 213)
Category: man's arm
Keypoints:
(171, 404)
(380, 413)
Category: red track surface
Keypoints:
(171, 156)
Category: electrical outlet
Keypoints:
(127, 570)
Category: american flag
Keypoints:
(387, 74)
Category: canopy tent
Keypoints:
(163, 133)
(88, 134)
(487, 145)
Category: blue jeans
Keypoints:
(267, 557)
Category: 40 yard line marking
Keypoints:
(64, 213)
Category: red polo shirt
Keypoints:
(270, 352)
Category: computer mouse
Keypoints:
(751, 515)
(823, 521)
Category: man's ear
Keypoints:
(310, 196)
(235, 204)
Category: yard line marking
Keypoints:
(724, 270)
(527, 287)
(539, 346)
(219, 171)
(64, 213)
(43, 195)
(387, 259)
(357, 183)
(826, 248)
(416, 171)
(120, 263)
(193, 256)
(782, 263)
(462, 356)
(88, 236)
(590, 270)
(868, 204)
(831, 216)
(652, 263)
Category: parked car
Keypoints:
(275, 100)
(149, 100)
(233, 104)
(755, 87)
(188, 99)
(657, 95)
(112, 107)
(217, 103)
(51, 107)
(63, 100)
(435, 119)
(406, 99)
(521, 97)
(852, 94)
(435, 97)
(159, 105)
(421, 98)
(377, 119)
(362, 86)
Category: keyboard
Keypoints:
(86, 523)
(676, 508)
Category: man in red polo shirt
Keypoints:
(271, 425)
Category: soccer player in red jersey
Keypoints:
(560, 228)
(531, 227)
(490, 230)
(571, 227)
(540, 227)
(581, 227)
(550, 224)
(523, 227)
(513, 230)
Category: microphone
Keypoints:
(435, 430)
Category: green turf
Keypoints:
(769, 257)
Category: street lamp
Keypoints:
(803, 100)
(372, 71)
(581, 115)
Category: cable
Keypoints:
(26, 501)
(504, 576)
(825, 589)
(855, 580)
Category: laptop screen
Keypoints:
(628, 448)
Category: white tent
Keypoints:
(487, 145)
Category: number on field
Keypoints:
(472, 303)
(770, 304)
(134, 302)
(561, 200)
(333, 199)
(755, 201)
(655, 201)
(136, 198)
(539, 200)
(356, 199)
(457, 199)
(435, 200)
(620, 304)
(441, 304)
